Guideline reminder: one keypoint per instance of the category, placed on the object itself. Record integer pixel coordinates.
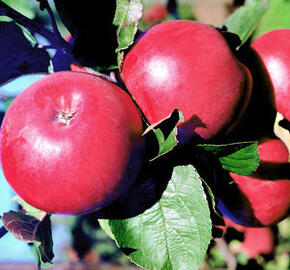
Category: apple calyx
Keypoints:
(66, 117)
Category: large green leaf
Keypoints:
(239, 158)
(244, 20)
(22, 6)
(175, 232)
(277, 16)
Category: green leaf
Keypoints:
(244, 20)
(44, 242)
(211, 197)
(166, 144)
(27, 35)
(239, 158)
(104, 223)
(127, 16)
(111, 67)
(5, 19)
(277, 16)
(30, 210)
(22, 7)
(175, 232)
(29, 229)
(165, 131)
(7, 103)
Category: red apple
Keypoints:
(273, 47)
(71, 143)
(256, 241)
(189, 66)
(155, 14)
(269, 199)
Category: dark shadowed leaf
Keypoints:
(22, 226)
(27, 228)
(12, 41)
(17, 56)
(33, 60)
(145, 191)
(44, 242)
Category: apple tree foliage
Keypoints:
(168, 217)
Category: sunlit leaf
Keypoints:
(244, 20)
(175, 232)
(239, 158)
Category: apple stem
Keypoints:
(229, 257)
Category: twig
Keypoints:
(229, 257)
(172, 9)
(3, 231)
(55, 30)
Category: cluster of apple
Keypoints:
(72, 142)
(190, 66)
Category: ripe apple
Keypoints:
(71, 143)
(264, 199)
(189, 66)
(273, 47)
(155, 13)
(256, 241)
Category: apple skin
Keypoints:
(189, 66)
(71, 143)
(265, 202)
(256, 241)
(273, 48)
